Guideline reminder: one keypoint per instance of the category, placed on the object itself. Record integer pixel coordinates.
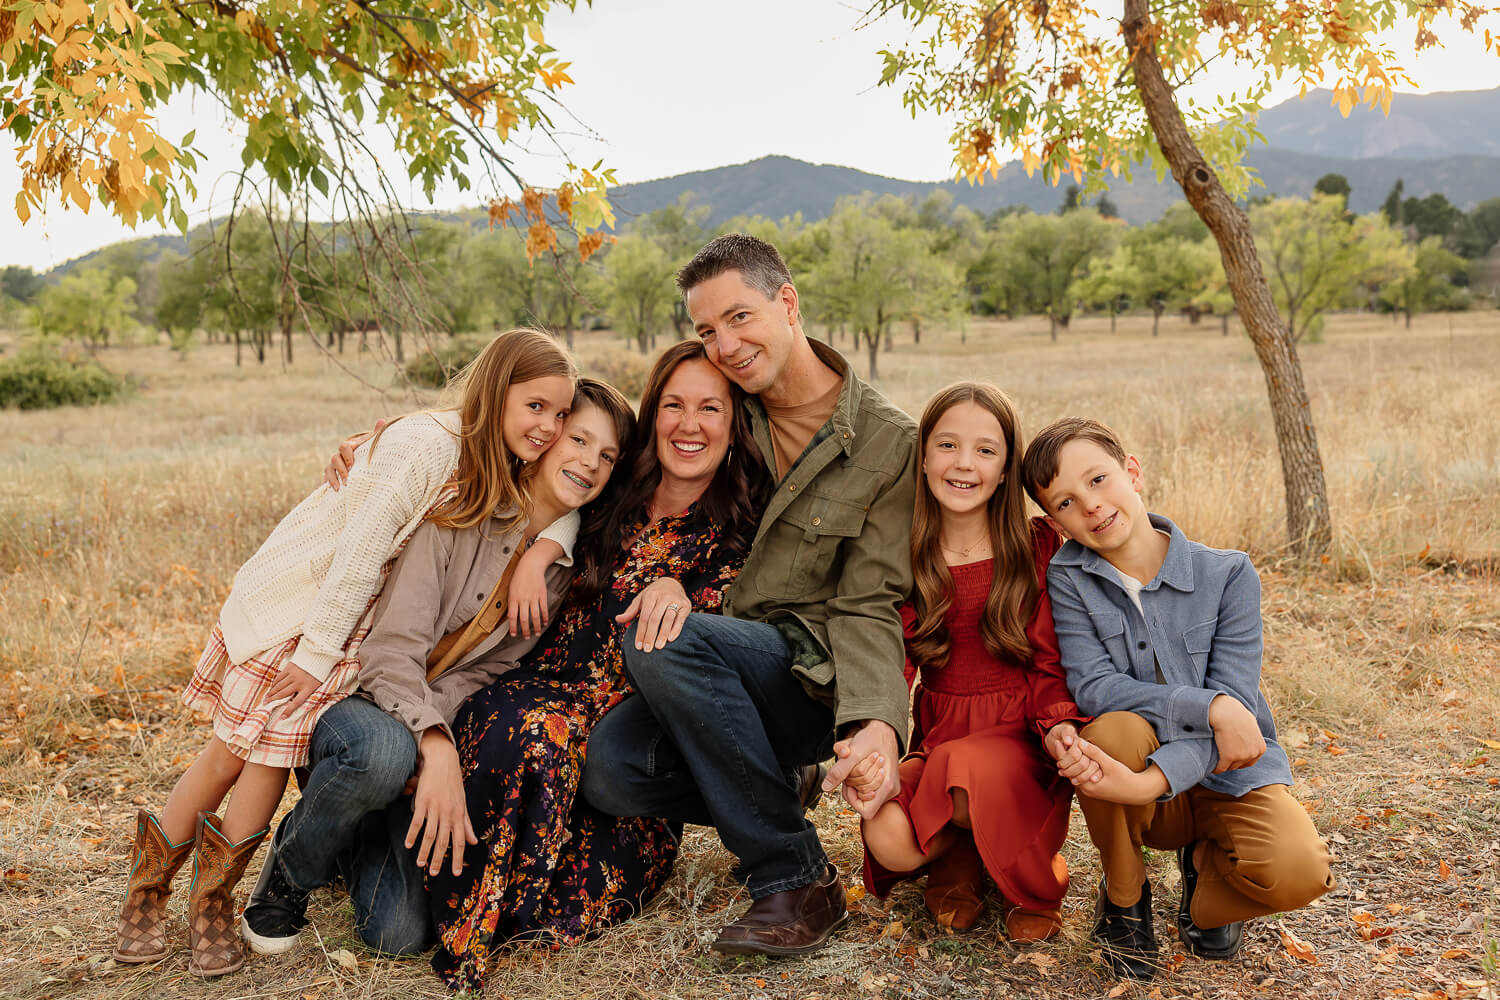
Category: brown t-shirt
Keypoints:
(792, 427)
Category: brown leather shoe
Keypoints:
(810, 785)
(955, 886)
(217, 867)
(793, 922)
(1032, 925)
(156, 860)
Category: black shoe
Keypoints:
(277, 910)
(1205, 942)
(1126, 934)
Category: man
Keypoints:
(808, 650)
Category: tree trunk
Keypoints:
(872, 347)
(1052, 323)
(1224, 325)
(916, 331)
(1309, 526)
(237, 347)
(888, 345)
(1155, 322)
(1113, 318)
(1408, 319)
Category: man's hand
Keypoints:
(337, 469)
(662, 607)
(1118, 783)
(294, 683)
(439, 812)
(1236, 733)
(874, 736)
(1062, 743)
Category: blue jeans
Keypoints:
(718, 720)
(351, 821)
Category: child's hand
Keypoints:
(337, 469)
(1236, 733)
(1118, 783)
(527, 598)
(868, 775)
(292, 682)
(1062, 742)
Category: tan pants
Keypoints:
(1263, 854)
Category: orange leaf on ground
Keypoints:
(1456, 953)
(1443, 870)
(1298, 948)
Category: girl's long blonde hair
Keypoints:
(488, 478)
(1013, 588)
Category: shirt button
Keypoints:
(792, 487)
(478, 597)
(1187, 729)
(817, 520)
(1140, 645)
(505, 549)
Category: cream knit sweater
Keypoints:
(315, 575)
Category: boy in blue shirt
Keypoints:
(1161, 640)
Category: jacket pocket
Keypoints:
(819, 523)
(1107, 624)
(1199, 640)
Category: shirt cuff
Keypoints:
(1187, 714)
(1185, 763)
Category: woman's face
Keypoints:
(533, 414)
(693, 424)
(576, 468)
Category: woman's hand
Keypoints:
(337, 469)
(662, 607)
(292, 682)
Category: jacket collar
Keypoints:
(846, 410)
(1176, 570)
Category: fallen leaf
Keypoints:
(894, 929)
(1044, 963)
(1175, 962)
(1491, 744)
(760, 984)
(1298, 948)
(1456, 953)
(344, 958)
(60, 931)
(1118, 991)
(854, 894)
(1443, 870)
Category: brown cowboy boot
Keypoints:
(217, 867)
(141, 937)
(955, 886)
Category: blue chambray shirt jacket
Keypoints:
(1201, 625)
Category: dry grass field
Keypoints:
(121, 527)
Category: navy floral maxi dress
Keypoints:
(548, 866)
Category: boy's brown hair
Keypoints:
(1039, 467)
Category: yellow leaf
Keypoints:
(23, 208)
(534, 31)
(1492, 744)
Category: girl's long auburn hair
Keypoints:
(1014, 587)
(488, 478)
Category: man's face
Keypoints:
(748, 336)
(1093, 498)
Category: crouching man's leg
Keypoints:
(360, 760)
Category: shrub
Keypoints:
(434, 368)
(40, 380)
(626, 370)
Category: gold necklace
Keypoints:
(965, 552)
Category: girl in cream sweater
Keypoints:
(286, 642)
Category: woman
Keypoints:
(669, 543)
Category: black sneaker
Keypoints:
(277, 910)
(1206, 942)
(1126, 934)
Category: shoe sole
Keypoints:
(1209, 954)
(267, 945)
(776, 951)
(139, 959)
(215, 973)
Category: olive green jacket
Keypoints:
(831, 562)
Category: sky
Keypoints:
(663, 87)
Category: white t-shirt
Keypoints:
(1132, 588)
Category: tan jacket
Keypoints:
(831, 562)
(440, 582)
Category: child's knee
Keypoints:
(222, 762)
(891, 841)
(1299, 874)
(1125, 736)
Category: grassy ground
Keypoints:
(121, 527)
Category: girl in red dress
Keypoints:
(986, 787)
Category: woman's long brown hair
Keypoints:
(488, 479)
(1014, 587)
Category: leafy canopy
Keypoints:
(83, 82)
(1046, 79)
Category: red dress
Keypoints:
(978, 724)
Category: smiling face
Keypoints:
(694, 424)
(1094, 499)
(533, 414)
(576, 469)
(963, 458)
(747, 336)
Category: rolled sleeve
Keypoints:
(1187, 714)
(1185, 763)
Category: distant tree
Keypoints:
(1479, 231)
(1165, 273)
(1039, 258)
(1334, 184)
(1430, 284)
(679, 229)
(638, 280)
(87, 304)
(1106, 207)
(1315, 260)
(1181, 221)
(1433, 215)
(1108, 283)
(1391, 207)
(20, 283)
